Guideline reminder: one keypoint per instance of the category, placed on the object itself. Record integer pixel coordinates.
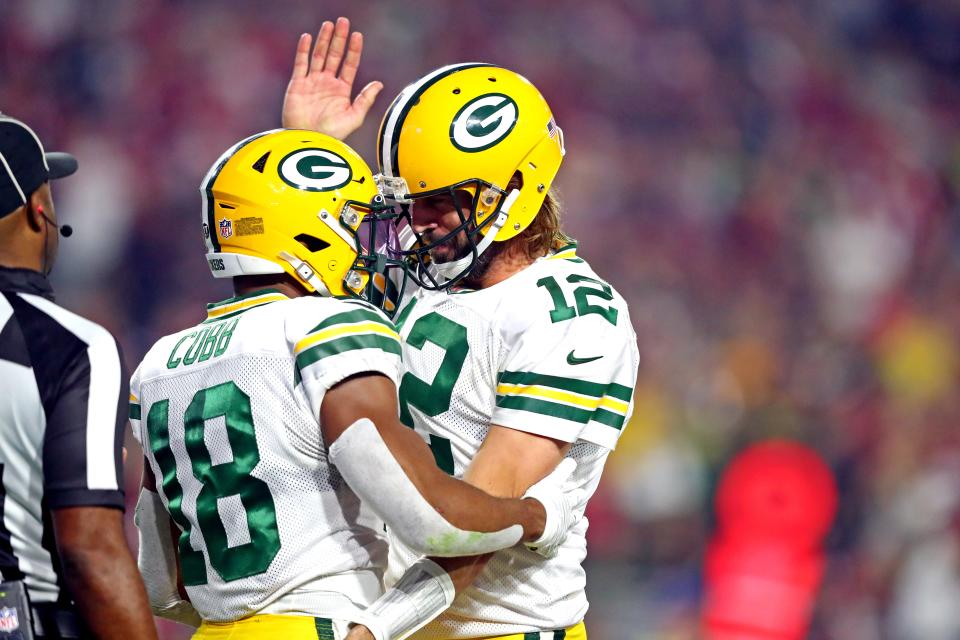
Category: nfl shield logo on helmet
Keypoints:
(226, 228)
(8, 620)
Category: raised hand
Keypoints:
(318, 98)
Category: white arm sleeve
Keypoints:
(157, 561)
(365, 461)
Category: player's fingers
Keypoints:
(352, 61)
(321, 46)
(337, 45)
(365, 98)
(302, 57)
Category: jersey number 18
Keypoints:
(217, 481)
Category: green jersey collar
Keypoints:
(566, 251)
(238, 304)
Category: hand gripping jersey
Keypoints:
(551, 351)
(227, 413)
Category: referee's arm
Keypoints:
(83, 474)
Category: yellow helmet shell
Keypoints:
(273, 203)
(476, 122)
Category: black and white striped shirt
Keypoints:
(63, 408)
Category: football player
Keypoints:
(270, 430)
(517, 354)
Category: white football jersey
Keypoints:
(550, 351)
(227, 413)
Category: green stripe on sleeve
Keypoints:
(565, 412)
(545, 407)
(347, 343)
(347, 317)
(531, 635)
(620, 392)
(541, 379)
(134, 411)
(595, 389)
(609, 418)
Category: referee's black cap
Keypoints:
(24, 165)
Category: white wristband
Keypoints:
(422, 593)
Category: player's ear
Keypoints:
(516, 181)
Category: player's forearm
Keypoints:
(108, 592)
(464, 570)
(101, 574)
(461, 504)
(364, 434)
(392, 495)
(471, 508)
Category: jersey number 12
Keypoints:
(434, 398)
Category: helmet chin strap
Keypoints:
(450, 270)
(306, 272)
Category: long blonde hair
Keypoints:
(544, 233)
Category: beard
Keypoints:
(482, 264)
(461, 246)
(450, 251)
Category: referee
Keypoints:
(63, 399)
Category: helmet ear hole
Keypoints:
(312, 244)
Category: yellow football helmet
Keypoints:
(302, 203)
(469, 127)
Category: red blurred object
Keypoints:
(775, 505)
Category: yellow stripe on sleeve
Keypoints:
(566, 397)
(613, 404)
(344, 330)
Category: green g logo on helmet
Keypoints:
(315, 170)
(483, 122)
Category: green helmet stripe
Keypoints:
(388, 147)
(206, 187)
(383, 127)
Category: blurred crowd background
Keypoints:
(772, 185)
